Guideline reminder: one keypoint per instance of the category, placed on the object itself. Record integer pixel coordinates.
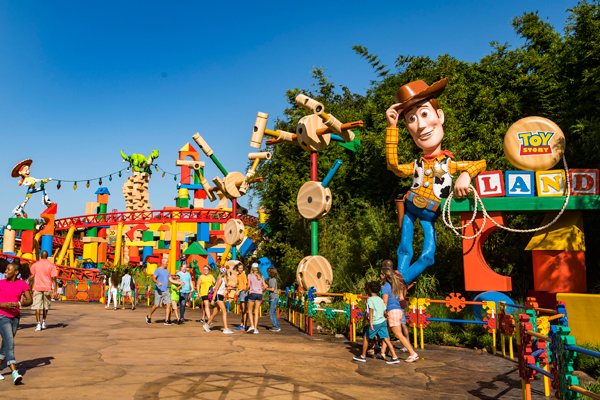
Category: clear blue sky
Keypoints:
(81, 80)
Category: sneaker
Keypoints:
(239, 327)
(182, 321)
(228, 331)
(16, 377)
(43, 324)
(360, 358)
(412, 358)
(1, 377)
(393, 361)
(380, 356)
(206, 328)
(212, 323)
(38, 327)
(275, 329)
(178, 322)
(249, 330)
(404, 350)
(202, 321)
(168, 322)
(255, 331)
(148, 320)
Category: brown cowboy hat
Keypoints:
(15, 170)
(417, 91)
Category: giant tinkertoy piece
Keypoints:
(232, 186)
(22, 170)
(314, 133)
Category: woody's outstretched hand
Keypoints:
(462, 185)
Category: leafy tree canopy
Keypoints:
(552, 75)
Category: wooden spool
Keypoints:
(232, 273)
(534, 144)
(306, 133)
(313, 200)
(234, 232)
(315, 271)
(231, 183)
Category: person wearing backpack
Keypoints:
(127, 288)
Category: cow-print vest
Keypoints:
(441, 186)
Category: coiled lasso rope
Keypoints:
(448, 222)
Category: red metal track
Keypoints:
(166, 216)
(64, 273)
(59, 241)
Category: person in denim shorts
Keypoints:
(256, 286)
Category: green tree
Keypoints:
(551, 75)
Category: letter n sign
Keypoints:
(490, 184)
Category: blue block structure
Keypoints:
(189, 187)
(46, 244)
(247, 247)
(264, 263)
(204, 232)
(147, 251)
(211, 263)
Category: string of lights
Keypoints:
(118, 173)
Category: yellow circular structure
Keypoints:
(534, 144)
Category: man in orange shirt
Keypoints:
(432, 172)
(44, 287)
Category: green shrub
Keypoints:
(588, 364)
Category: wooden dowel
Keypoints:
(270, 142)
(239, 183)
(539, 336)
(555, 317)
(546, 310)
(585, 392)
(345, 127)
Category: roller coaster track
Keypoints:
(59, 241)
(157, 216)
(68, 274)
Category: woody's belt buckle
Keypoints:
(420, 201)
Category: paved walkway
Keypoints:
(88, 352)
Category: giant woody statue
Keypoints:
(432, 172)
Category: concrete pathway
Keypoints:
(88, 352)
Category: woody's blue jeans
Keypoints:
(405, 249)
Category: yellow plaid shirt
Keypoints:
(406, 170)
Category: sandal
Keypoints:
(412, 358)
(371, 352)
